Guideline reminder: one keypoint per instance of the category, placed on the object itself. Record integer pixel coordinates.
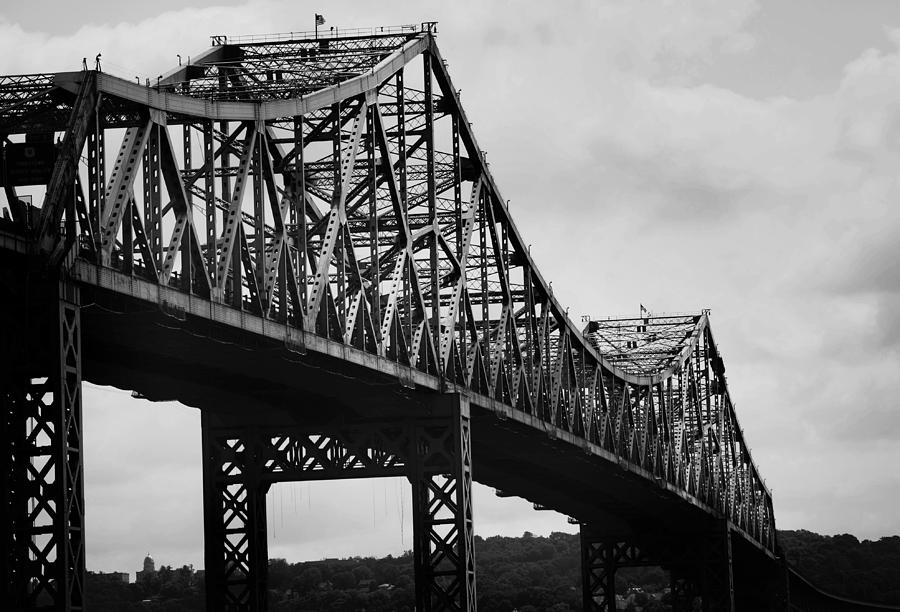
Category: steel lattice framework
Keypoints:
(329, 193)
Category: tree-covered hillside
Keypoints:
(842, 565)
(528, 574)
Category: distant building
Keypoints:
(120, 576)
(148, 571)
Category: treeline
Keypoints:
(534, 573)
(842, 565)
(168, 590)
(528, 574)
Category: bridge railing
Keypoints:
(324, 33)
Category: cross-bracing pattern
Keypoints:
(241, 463)
(442, 513)
(43, 551)
(700, 567)
(682, 426)
(24, 96)
(599, 561)
(334, 187)
(283, 67)
(643, 346)
(364, 213)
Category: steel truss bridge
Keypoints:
(300, 236)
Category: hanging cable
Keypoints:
(270, 513)
(374, 516)
(402, 519)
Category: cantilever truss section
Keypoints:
(335, 186)
(644, 346)
(686, 419)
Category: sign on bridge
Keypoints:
(28, 163)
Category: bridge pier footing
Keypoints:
(40, 432)
(242, 459)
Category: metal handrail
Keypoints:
(330, 33)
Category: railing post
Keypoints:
(43, 495)
(440, 471)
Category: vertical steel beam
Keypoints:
(432, 203)
(683, 593)
(127, 251)
(43, 497)
(225, 155)
(220, 284)
(187, 150)
(234, 519)
(441, 477)
(400, 169)
(484, 201)
(96, 153)
(460, 318)
(209, 181)
(232, 222)
(717, 576)
(372, 179)
(119, 190)
(152, 197)
(258, 244)
(338, 199)
(301, 229)
(782, 586)
(187, 245)
(598, 573)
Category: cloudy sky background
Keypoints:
(740, 156)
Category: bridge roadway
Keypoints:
(341, 299)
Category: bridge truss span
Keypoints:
(326, 201)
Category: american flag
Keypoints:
(320, 20)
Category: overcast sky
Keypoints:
(739, 156)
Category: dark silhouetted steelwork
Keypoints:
(301, 236)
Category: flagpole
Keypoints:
(316, 19)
